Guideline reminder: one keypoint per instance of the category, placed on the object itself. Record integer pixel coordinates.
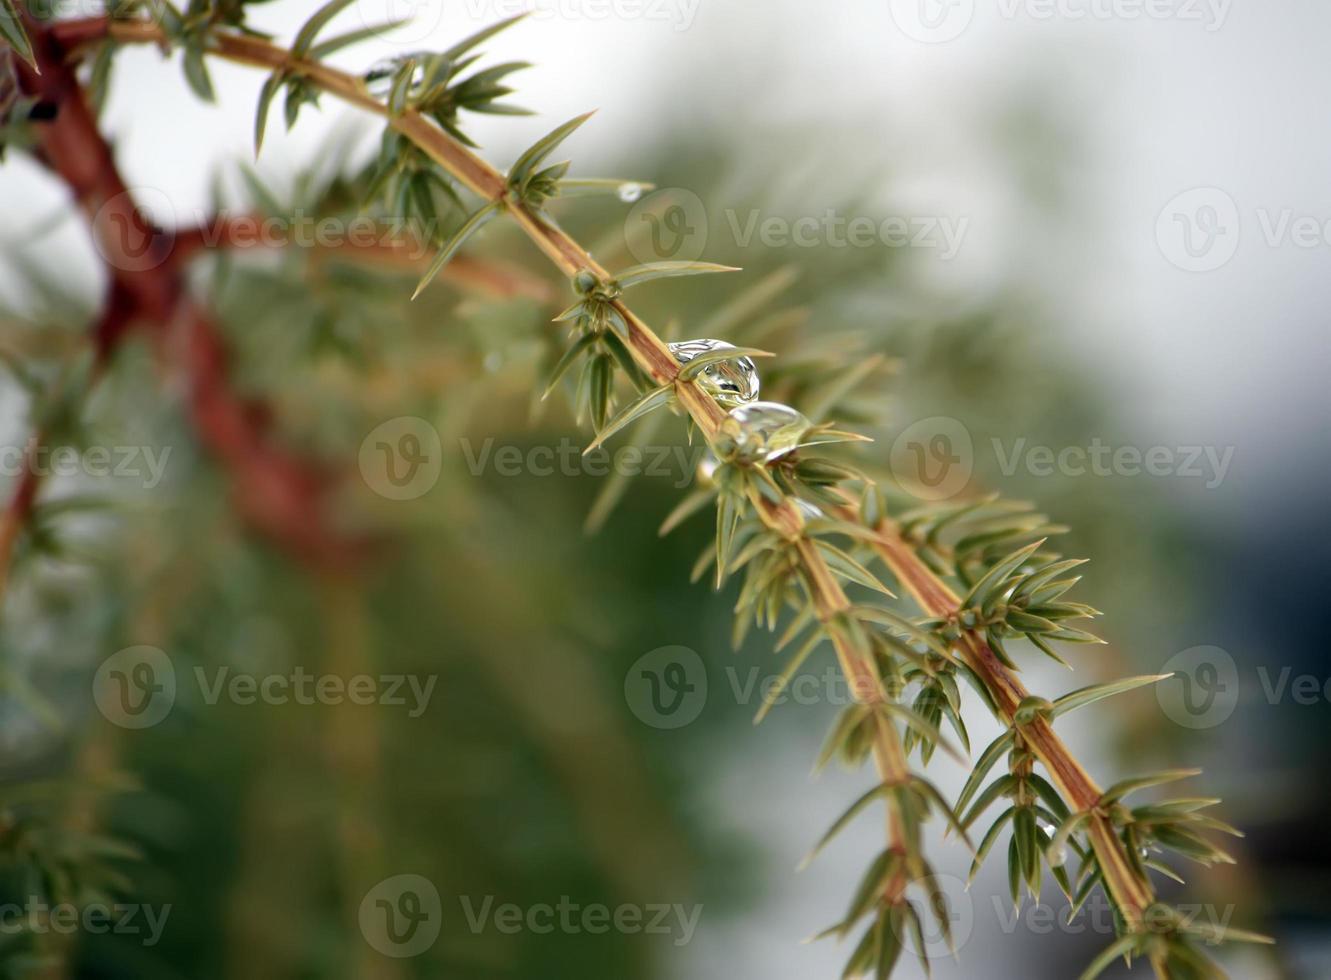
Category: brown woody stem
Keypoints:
(281, 495)
(1130, 893)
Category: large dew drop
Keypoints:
(764, 431)
(731, 382)
(628, 193)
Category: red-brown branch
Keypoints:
(280, 494)
(383, 246)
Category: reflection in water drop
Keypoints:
(628, 193)
(732, 382)
(764, 431)
(379, 78)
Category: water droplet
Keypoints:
(810, 511)
(764, 431)
(628, 193)
(1058, 857)
(732, 382)
(379, 78)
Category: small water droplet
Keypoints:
(765, 430)
(731, 382)
(630, 192)
(378, 78)
(1058, 857)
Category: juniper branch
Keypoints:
(1112, 832)
(645, 345)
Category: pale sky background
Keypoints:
(1235, 100)
(1225, 93)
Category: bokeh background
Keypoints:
(1136, 199)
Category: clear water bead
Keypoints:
(764, 431)
(628, 193)
(732, 382)
(379, 78)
